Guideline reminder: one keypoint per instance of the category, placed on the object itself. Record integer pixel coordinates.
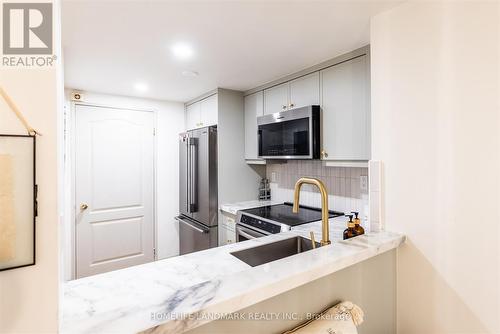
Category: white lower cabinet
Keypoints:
(227, 233)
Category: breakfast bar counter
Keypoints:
(172, 295)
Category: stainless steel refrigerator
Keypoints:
(198, 190)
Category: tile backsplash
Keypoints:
(344, 185)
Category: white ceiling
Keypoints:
(109, 46)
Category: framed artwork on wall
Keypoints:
(18, 206)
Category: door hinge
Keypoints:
(154, 131)
(154, 253)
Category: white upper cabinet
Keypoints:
(209, 111)
(202, 113)
(193, 116)
(276, 99)
(341, 89)
(304, 91)
(345, 102)
(254, 107)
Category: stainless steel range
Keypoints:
(271, 219)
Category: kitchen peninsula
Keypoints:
(182, 293)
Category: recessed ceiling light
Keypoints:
(141, 87)
(190, 73)
(182, 51)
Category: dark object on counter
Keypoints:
(357, 224)
(264, 190)
(349, 232)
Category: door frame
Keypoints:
(70, 176)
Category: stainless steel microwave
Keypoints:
(292, 134)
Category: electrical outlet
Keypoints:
(274, 177)
(363, 182)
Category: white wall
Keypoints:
(169, 123)
(435, 100)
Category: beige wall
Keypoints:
(435, 94)
(29, 296)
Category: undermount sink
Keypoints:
(256, 256)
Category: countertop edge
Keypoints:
(246, 299)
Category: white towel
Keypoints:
(341, 318)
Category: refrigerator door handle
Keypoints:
(188, 178)
(193, 171)
(191, 225)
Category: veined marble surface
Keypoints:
(180, 293)
(337, 227)
(233, 208)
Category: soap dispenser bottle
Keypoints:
(357, 224)
(349, 232)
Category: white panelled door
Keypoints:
(114, 189)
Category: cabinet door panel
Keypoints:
(346, 110)
(227, 230)
(209, 111)
(304, 91)
(276, 99)
(193, 116)
(254, 107)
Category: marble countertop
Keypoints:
(180, 293)
(337, 227)
(233, 208)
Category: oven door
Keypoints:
(292, 134)
(244, 233)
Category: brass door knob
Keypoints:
(324, 154)
(83, 207)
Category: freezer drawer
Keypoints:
(194, 237)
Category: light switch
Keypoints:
(363, 182)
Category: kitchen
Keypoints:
(240, 153)
(215, 183)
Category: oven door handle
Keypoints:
(241, 231)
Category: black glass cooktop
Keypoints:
(282, 213)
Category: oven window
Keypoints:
(285, 138)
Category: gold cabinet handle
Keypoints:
(83, 207)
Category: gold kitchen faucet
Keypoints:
(325, 228)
